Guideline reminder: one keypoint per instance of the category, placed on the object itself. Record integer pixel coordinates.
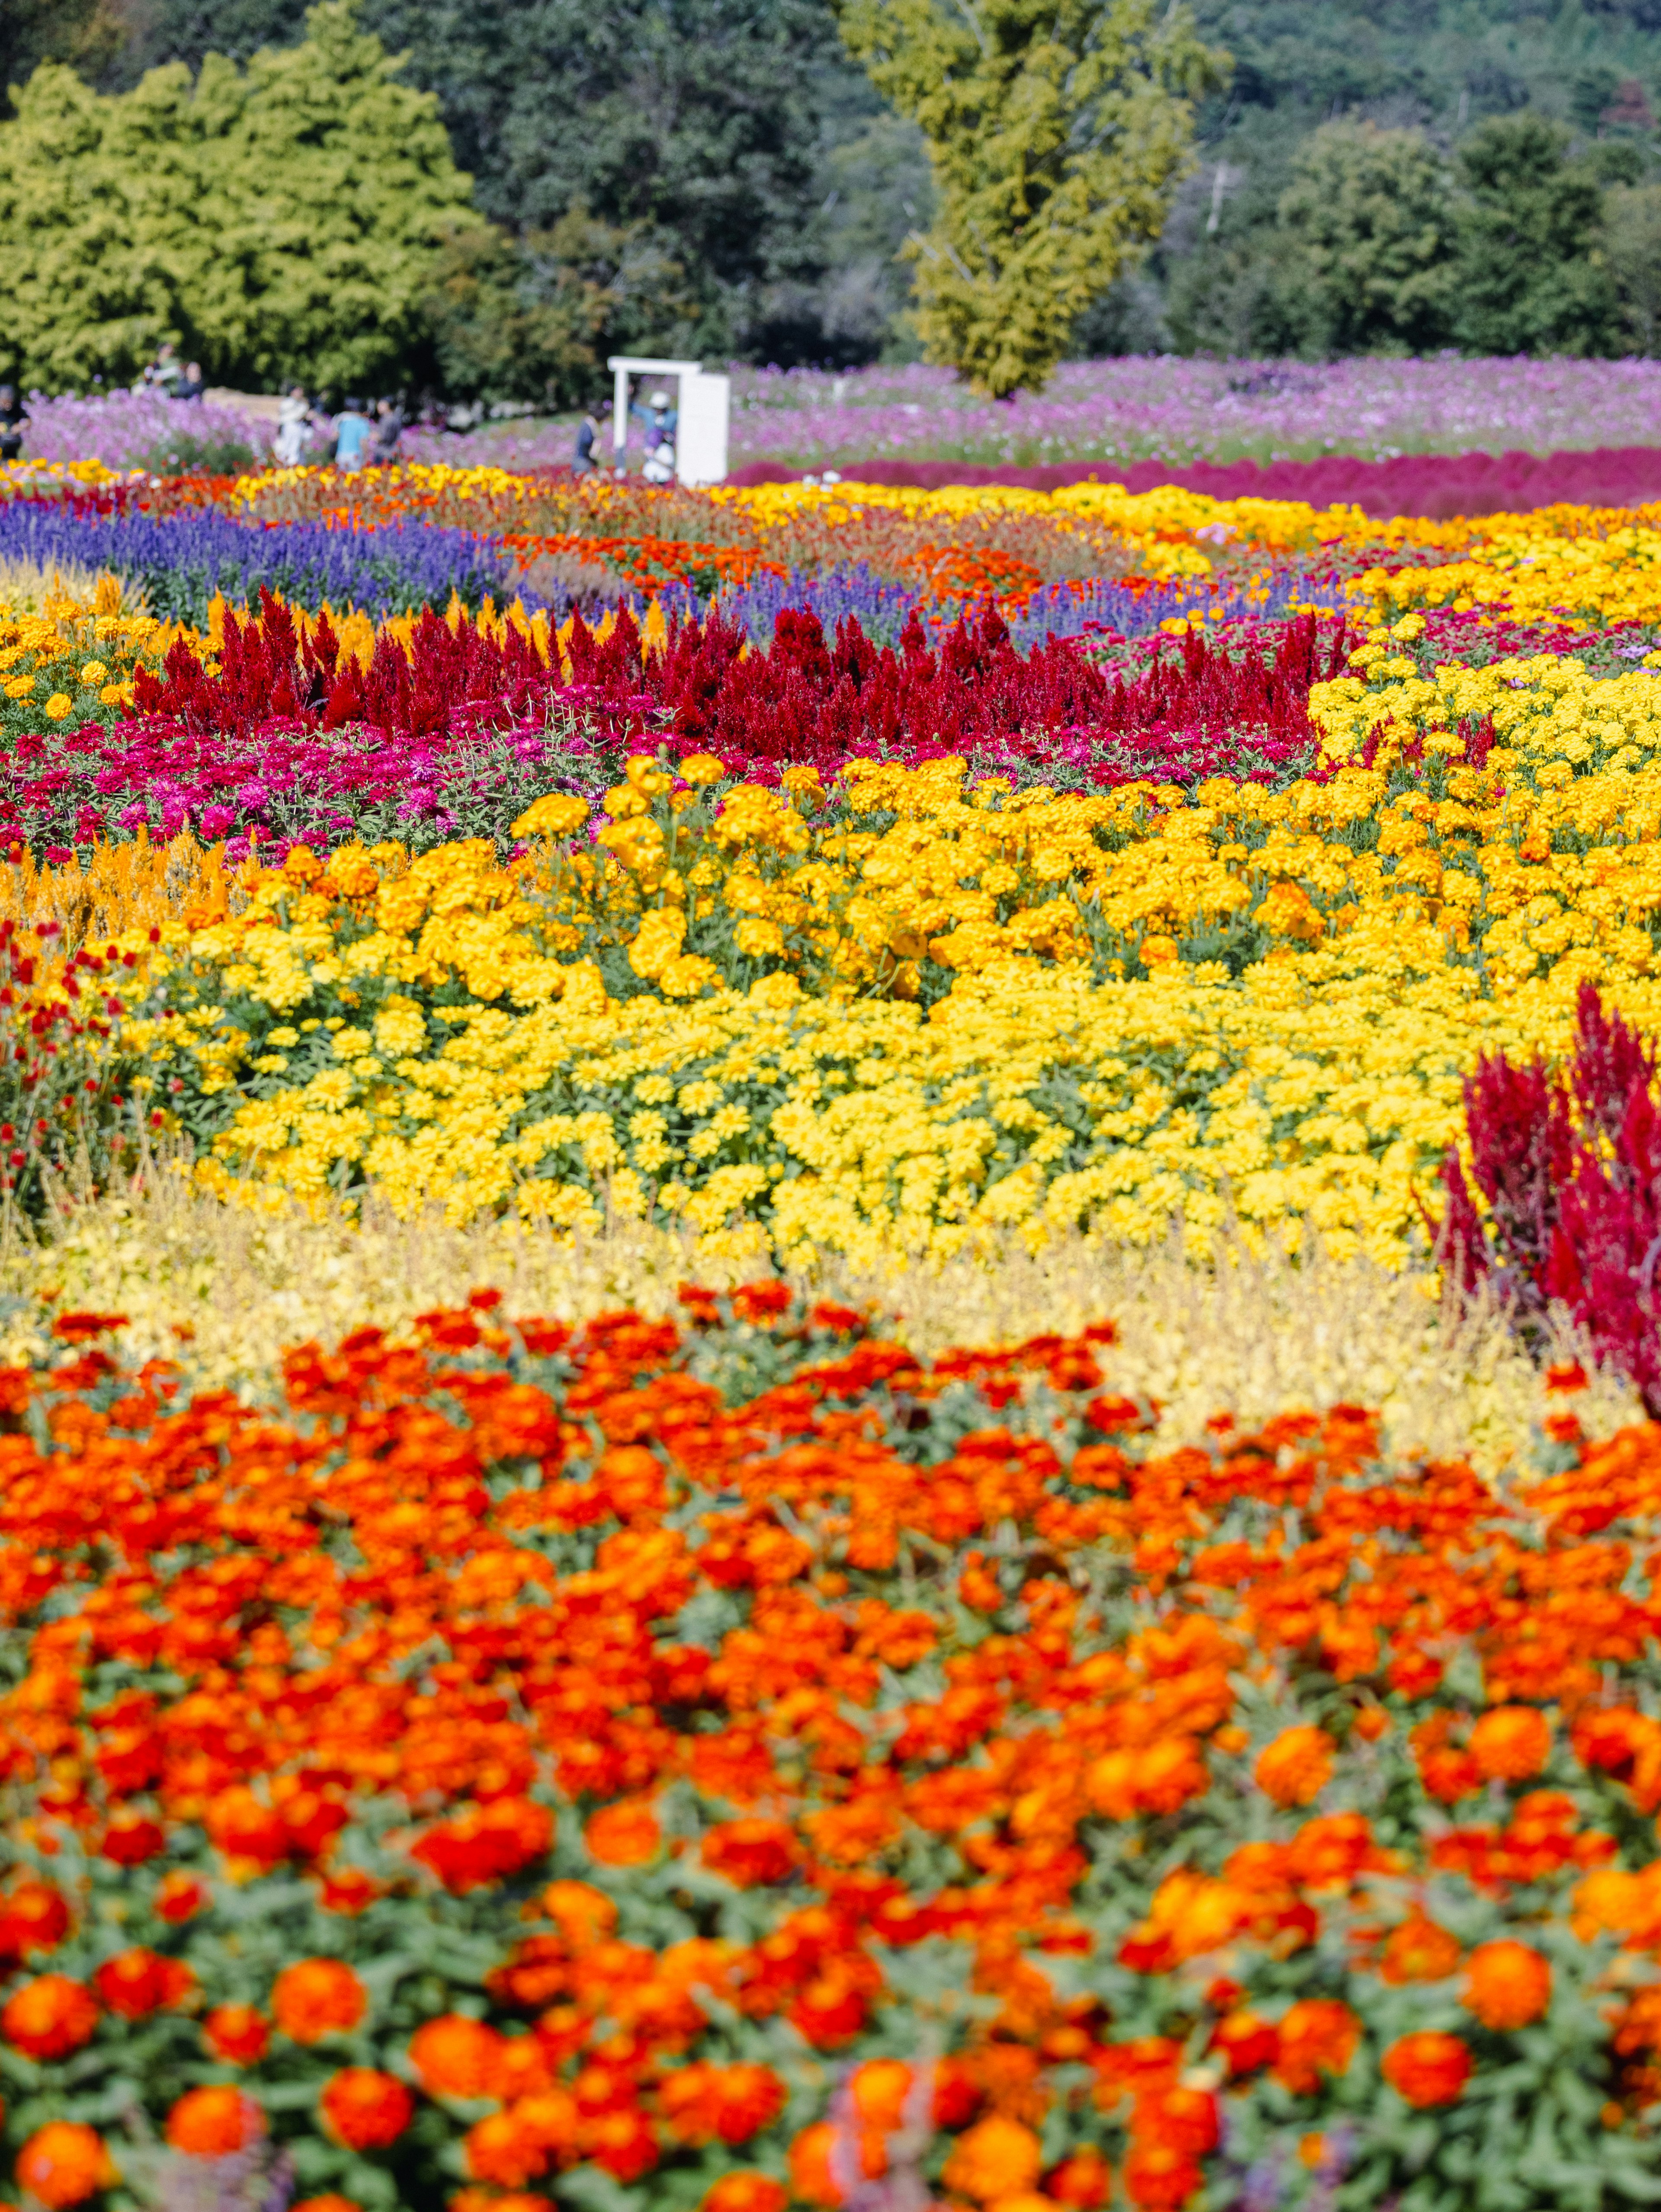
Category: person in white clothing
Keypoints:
(292, 421)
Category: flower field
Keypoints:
(652, 1555)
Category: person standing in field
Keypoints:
(593, 422)
(13, 416)
(191, 386)
(292, 421)
(352, 433)
(388, 430)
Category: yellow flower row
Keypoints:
(911, 1015)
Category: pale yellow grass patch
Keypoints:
(28, 588)
(226, 1291)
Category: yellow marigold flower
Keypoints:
(700, 768)
(92, 672)
(556, 815)
(58, 705)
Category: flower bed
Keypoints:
(736, 1762)
(715, 1763)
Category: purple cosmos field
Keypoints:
(1141, 408)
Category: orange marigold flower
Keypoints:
(327, 2202)
(454, 2056)
(1418, 1950)
(487, 1842)
(1511, 1743)
(504, 2150)
(1317, 2035)
(585, 1916)
(1183, 2119)
(236, 2033)
(491, 2200)
(878, 2090)
(811, 2181)
(49, 2017)
(746, 2192)
(702, 2102)
(32, 1917)
(318, 1997)
(1082, 2180)
(65, 2163)
(1506, 1984)
(1246, 2041)
(1160, 2178)
(624, 1835)
(1296, 1767)
(179, 1897)
(136, 1982)
(215, 2123)
(623, 2143)
(996, 2157)
(131, 1840)
(750, 1852)
(1428, 2067)
(247, 1831)
(365, 2109)
(1152, 1778)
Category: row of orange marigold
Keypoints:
(734, 1758)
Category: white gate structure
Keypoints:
(704, 404)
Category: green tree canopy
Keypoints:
(731, 141)
(1534, 276)
(1370, 220)
(85, 33)
(1055, 130)
(277, 222)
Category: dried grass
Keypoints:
(1258, 1334)
(27, 588)
(227, 1290)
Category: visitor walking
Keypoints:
(13, 416)
(389, 431)
(162, 374)
(353, 430)
(294, 419)
(593, 423)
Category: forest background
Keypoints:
(1374, 175)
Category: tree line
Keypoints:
(488, 200)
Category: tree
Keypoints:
(1533, 275)
(85, 33)
(277, 223)
(1632, 223)
(1371, 234)
(710, 130)
(529, 317)
(1055, 130)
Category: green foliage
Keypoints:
(1533, 275)
(1371, 220)
(85, 33)
(732, 140)
(1631, 234)
(531, 318)
(1055, 130)
(276, 223)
